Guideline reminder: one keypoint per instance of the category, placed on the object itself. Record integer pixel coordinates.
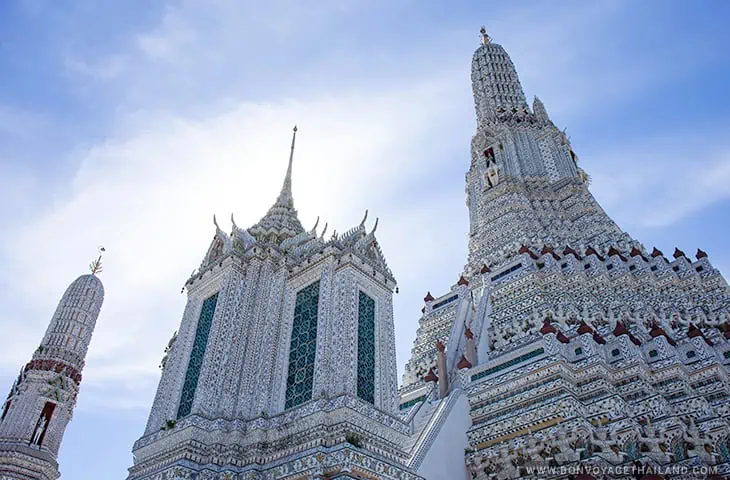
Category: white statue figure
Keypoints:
(699, 444)
(475, 465)
(535, 450)
(492, 175)
(607, 446)
(651, 441)
(506, 464)
(564, 442)
(583, 176)
(39, 428)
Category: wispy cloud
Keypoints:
(659, 181)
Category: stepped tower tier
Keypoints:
(284, 363)
(41, 401)
(571, 342)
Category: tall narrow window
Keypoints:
(41, 426)
(366, 349)
(303, 347)
(489, 155)
(196, 356)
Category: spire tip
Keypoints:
(95, 266)
(483, 35)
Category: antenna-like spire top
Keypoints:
(285, 197)
(95, 266)
(484, 38)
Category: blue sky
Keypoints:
(130, 124)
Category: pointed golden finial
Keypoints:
(484, 38)
(96, 264)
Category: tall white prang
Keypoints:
(41, 401)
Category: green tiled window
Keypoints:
(196, 356)
(303, 346)
(366, 349)
(508, 364)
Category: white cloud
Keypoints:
(659, 181)
(105, 69)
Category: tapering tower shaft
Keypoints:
(41, 401)
(524, 186)
(494, 82)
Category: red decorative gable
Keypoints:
(524, 249)
(592, 251)
(463, 363)
(612, 251)
(548, 249)
(547, 328)
(584, 328)
(620, 329)
(656, 331)
(570, 251)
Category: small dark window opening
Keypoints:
(615, 352)
(39, 434)
(609, 267)
(726, 354)
(700, 268)
(565, 265)
(586, 266)
(489, 155)
(579, 351)
(675, 268)
(540, 265)
(653, 268)
(653, 353)
(632, 268)
(691, 354)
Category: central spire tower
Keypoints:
(572, 343)
(521, 160)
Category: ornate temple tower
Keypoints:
(572, 342)
(42, 399)
(284, 363)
